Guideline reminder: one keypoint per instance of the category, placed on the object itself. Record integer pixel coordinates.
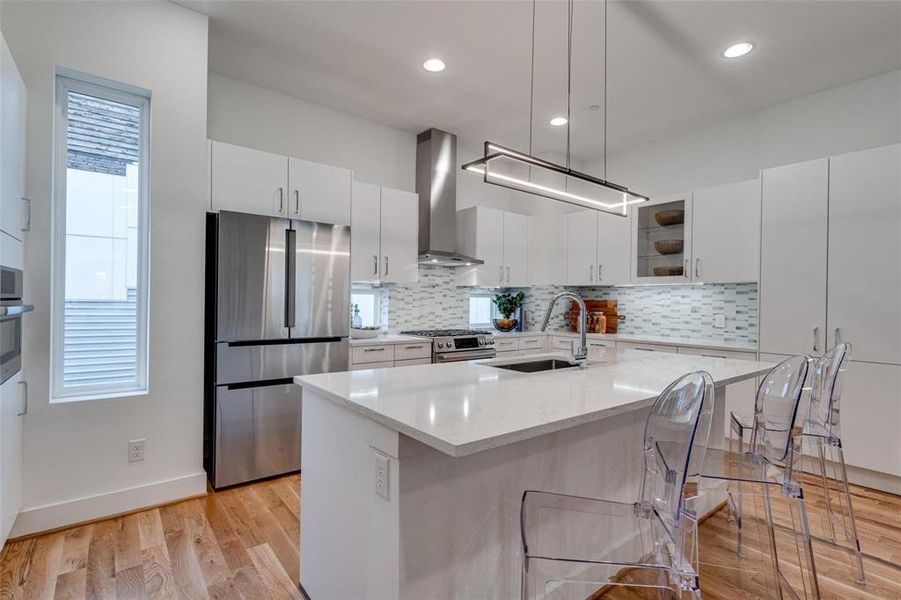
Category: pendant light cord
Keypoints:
(569, 69)
(532, 81)
(606, 30)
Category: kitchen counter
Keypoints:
(385, 339)
(645, 339)
(412, 477)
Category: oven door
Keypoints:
(10, 346)
(465, 355)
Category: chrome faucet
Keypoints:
(580, 356)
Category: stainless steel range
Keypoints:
(453, 345)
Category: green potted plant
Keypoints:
(507, 304)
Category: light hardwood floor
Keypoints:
(243, 543)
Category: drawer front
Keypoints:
(526, 352)
(506, 344)
(413, 350)
(373, 365)
(563, 343)
(413, 361)
(601, 344)
(735, 354)
(371, 354)
(531, 343)
(647, 347)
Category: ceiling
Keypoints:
(666, 73)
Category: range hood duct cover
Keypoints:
(436, 184)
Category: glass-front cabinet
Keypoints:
(661, 240)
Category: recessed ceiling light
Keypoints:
(736, 50)
(559, 121)
(435, 65)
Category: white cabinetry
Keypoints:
(581, 248)
(662, 247)
(726, 233)
(383, 356)
(519, 345)
(384, 235)
(793, 258)
(597, 248)
(871, 417)
(501, 240)
(12, 144)
(253, 181)
(12, 408)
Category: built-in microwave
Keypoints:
(11, 311)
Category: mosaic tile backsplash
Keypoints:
(677, 311)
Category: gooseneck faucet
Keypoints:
(580, 355)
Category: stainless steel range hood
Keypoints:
(436, 184)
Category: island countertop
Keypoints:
(466, 407)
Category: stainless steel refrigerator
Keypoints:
(277, 305)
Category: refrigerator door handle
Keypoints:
(290, 276)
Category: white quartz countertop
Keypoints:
(466, 407)
(644, 339)
(387, 339)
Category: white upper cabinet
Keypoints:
(793, 258)
(318, 192)
(248, 180)
(399, 236)
(581, 248)
(614, 235)
(865, 253)
(365, 254)
(661, 240)
(253, 181)
(12, 145)
(498, 238)
(726, 233)
(384, 235)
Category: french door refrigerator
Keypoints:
(277, 305)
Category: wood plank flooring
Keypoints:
(243, 544)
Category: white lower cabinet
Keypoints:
(646, 347)
(520, 345)
(372, 365)
(372, 354)
(384, 356)
(412, 361)
(871, 417)
(12, 407)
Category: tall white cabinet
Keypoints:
(12, 189)
(384, 235)
(252, 181)
(501, 240)
(831, 271)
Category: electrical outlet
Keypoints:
(136, 450)
(380, 475)
(719, 321)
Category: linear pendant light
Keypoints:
(515, 170)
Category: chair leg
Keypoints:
(524, 579)
(821, 449)
(841, 459)
(771, 530)
(739, 509)
(808, 548)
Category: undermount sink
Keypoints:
(536, 366)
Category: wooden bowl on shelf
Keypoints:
(668, 271)
(669, 246)
(665, 218)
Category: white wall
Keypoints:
(856, 116)
(248, 115)
(75, 453)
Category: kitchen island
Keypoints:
(412, 477)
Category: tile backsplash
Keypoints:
(678, 311)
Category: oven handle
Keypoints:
(15, 310)
(460, 356)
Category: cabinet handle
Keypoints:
(296, 202)
(816, 335)
(713, 356)
(686, 272)
(24, 411)
(373, 349)
(281, 199)
(590, 272)
(838, 333)
(698, 267)
(500, 274)
(27, 203)
(386, 265)
(375, 265)
(419, 347)
(508, 274)
(600, 272)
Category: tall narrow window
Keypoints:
(100, 236)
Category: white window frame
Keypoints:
(377, 303)
(66, 80)
(487, 295)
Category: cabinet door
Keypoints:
(871, 417)
(247, 180)
(516, 249)
(364, 232)
(11, 401)
(319, 193)
(12, 144)
(581, 248)
(614, 249)
(725, 233)
(793, 258)
(489, 233)
(400, 236)
(661, 240)
(865, 253)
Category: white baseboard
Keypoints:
(79, 510)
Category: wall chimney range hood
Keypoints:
(436, 184)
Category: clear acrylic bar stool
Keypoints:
(573, 546)
(822, 431)
(769, 466)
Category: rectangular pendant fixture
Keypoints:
(511, 169)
